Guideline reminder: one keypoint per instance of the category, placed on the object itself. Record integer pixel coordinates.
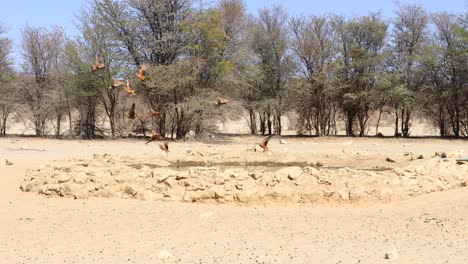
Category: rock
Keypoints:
(388, 159)
(420, 157)
(8, 163)
(283, 141)
(128, 190)
(164, 254)
(145, 172)
(81, 178)
(291, 173)
(392, 255)
(407, 154)
(63, 178)
(380, 135)
(319, 164)
(456, 154)
(256, 176)
(312, 171)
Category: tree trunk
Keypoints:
(396, 122)
(162, 125)
(262, 123)
(59, 123)
(349, 123)
(405, 122)
(253, 122)
(269, 124)
(378, 121)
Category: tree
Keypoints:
(408, 39)
(7, 101)
(362, 40)
(42, 50)
(313, 39)
(270, 44)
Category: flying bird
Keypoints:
(164, 147)
(222, 101)
(154, 136)
(99, 65)
(155, 114)
(131, 113)
(264, 143)
(129, 89)
(117, 83)
(141, 75)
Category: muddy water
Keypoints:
(249, 166)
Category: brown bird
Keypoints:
(99, 65)
(131, 113)
(117, 83)
(154, 136)
(155, 114)
(141, 75)
(264, 143)
(8, 163)
(129, 89)
(222, 101)
(164, 147)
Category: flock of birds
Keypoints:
(141, 75)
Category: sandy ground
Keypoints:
(431, 228)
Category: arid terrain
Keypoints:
(308, 200)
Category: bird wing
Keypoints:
(266, 140)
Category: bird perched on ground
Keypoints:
(8, 163)
(154, 136)
(117, 83)
(99, 65)
(164, 147)
(141, 75)
(222, 101)
(155, 114)
(129, 89)
(131, 113)
(264, 143)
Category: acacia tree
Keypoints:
(313, 39)
(6, 80)
(270, 44)
(151, 31)
(99, 41)
(42, 49)
(362, 40)
(408, 39)
(454, 77)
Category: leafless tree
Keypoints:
(41, 52)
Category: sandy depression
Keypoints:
(309, 200)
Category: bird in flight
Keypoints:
(222, 101)
(155, 114)
(99, 65)
(164, 147)
(264, 143)
(117, 83)
(154, 136)
(141, 75)
(131, 113)
(129, 89)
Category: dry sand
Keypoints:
(431, 228)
